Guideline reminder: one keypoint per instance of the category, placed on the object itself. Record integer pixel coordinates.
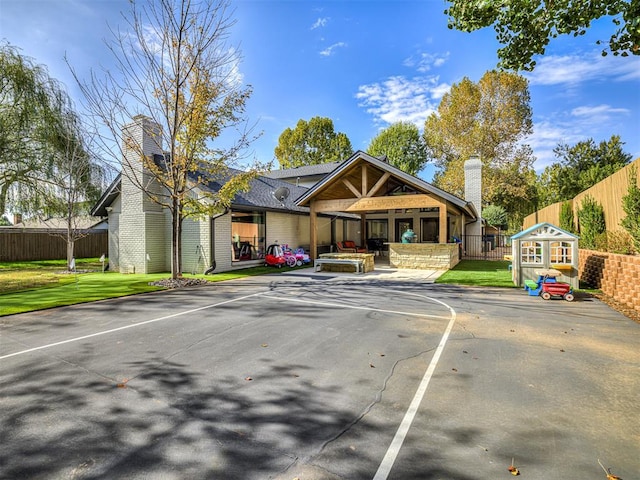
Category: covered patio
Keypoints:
(390, 203)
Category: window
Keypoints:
(378, 229)
(531, 252)
(561, 253)
(430, 228)
(247, 235)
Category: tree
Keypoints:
(591, 221)
(403, 146)
(495, 216)
(631, 206)
(526, 27)
(581, 166)
(176, 67)
(46, 168)
(27, 107)
(312, 143)
(490, 118)
(567, 219)
(75, 178)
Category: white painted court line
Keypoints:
(394, 449)
(125, 327)
(357, 307)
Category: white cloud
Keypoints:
(320, 22)
(573, 69)
(327, 52)
(598, 113)
(569, 128)
(423, 62)
(439, 90)
(401, 99)
(546, 136)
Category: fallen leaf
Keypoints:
(248, 379)
(454, 369)
(264, 345)
(464, 351)
(610, 476)
(562, 349)
(372, 365)
(122, 384)
(512, 330)
(382, 354)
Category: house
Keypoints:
(140, 230)
(315, 207)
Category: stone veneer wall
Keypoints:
(424, 256)
(618, 276)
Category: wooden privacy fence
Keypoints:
(31, 244)
(608, 193)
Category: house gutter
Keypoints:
(212, 241)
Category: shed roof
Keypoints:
(544, 231)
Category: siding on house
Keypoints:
(114, 240)
(196, 241)
(156, 243)
(284, 229)
(223, 243)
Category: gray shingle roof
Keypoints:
(304, 171)
(259, 196)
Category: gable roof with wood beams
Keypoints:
(365, 183)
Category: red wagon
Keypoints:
(556, 290)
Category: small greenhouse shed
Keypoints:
(541, 247)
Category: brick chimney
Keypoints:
(473, 191)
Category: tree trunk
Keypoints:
(176, 239)
(175, 265)
(70, 243)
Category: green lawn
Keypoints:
(30, 286)
(481, 273)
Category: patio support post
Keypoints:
(313, 231)
(442, 233)
(363, 229)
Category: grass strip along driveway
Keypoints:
(31, 286)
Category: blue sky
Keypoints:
(364, 64)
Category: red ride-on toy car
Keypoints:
(274, 256)
(556, 290)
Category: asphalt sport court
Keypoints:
(320, 378)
